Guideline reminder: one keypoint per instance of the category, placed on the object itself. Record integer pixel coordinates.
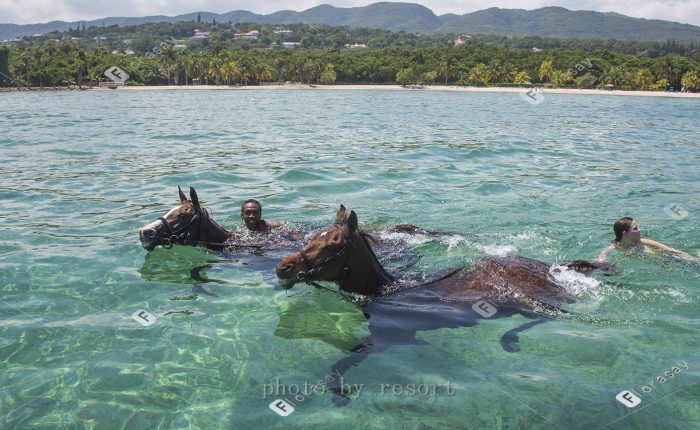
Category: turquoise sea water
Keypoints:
(81, 172)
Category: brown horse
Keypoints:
(185, 224)
(493, 287)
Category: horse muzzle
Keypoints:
(148, 239)
(286, 274)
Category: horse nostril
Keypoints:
(150, 234)
(286, 268)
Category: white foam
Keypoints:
(500, 250)
(409, 239)
(589, 291)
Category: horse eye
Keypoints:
(329, 247)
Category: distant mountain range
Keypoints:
(411, 17)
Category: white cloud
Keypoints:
(31, 11)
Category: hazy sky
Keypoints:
(32, 11)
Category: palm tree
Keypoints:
(643, 79)
(168, 56)
(212, 70)
(25, 61)
(263, 72)
(230, 71)
(82, 67)
(328, 76)
(500, 72)
(280, 64)
(480, 74)
(203, 60)
(447, 67)
(179, 68)
(39, 67)
(690, 81)
(615, 76)
(522, 78)
(546, 70)
(189, 66)
(244, 69)
(669, 71)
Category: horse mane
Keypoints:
(366, 238)
(207, 211)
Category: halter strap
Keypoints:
(181, 234)
(310, 271)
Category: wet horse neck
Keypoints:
(211, 234)
(365, 274)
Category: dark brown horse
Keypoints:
(493, 287)
(186, 224)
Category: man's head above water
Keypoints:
(251, 214)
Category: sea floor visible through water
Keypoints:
(82, 171)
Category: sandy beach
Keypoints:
(306, 87)
(450, 88)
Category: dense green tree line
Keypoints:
(315, 36)
(55, 63)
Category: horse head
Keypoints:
(176, 226)
(340, 254)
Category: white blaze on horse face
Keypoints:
(155, 224)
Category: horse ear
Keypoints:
(194, 198)
(340, 216)
(183, 198)
(351, 225)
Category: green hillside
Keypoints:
(410, 17)
(560, 22)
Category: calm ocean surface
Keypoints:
(81, 172)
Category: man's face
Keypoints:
(251, 215)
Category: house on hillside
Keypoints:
(251, 35)
(461, 39)
(12, 42)
(200, 35)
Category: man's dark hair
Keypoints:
(251, 201)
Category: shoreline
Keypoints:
(382, 87)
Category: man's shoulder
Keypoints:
(270, 223)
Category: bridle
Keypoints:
(181, 235)
(310, 270)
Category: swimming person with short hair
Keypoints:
(251, 214)
(628, 237)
